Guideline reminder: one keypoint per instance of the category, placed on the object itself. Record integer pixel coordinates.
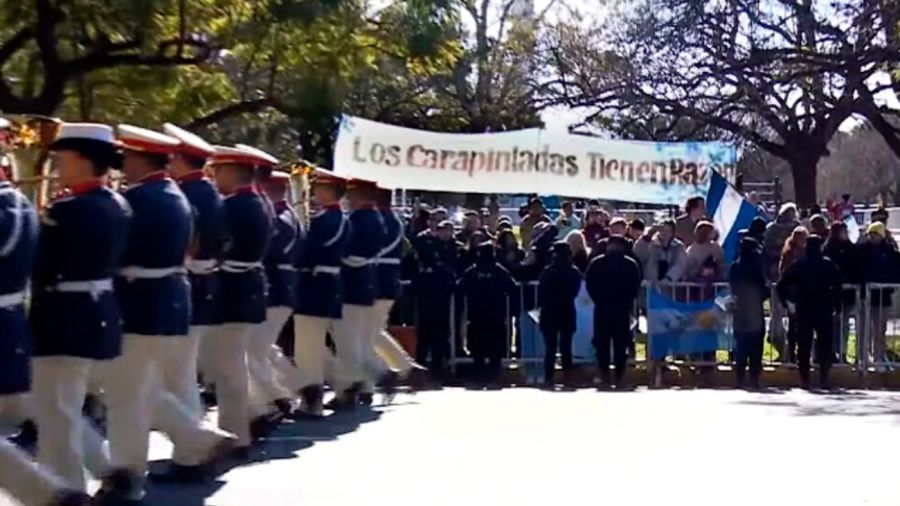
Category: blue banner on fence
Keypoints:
(684, 327)
(582, 345)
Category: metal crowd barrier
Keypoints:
(866, 328)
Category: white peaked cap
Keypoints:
(191, 143)
(4, 124)
(262, 155)
(87, 131)
(144, 140)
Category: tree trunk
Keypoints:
(804, 170)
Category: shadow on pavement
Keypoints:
(288, 439)
(833, 403)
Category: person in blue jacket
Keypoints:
(241, 307)
(154, 296)
(187, 167)
(26, 483)
(360, 285)
(75, 317)
(320, 295)
(281, 275)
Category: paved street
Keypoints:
(529, 447)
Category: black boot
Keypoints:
(311, 403)
(284, 406)
(178, 474)
(71, 498)
(262, 426)
(120, 488)
(366, 399)
(27, 436)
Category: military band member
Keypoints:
(319, 292)
(154, 296)
(241, 307)
(28, 484)
(353, 379)
(186, 166)
(74, 316)
(281, 275)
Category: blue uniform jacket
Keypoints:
(319, 291)
(387, 264)
(242, 282)
(281, 257)
(152, 287)
(18, 241)
(206, 248)
(73, 309)
(367, 236)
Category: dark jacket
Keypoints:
(880, 264)
(613, 281)
(559, 286)
(491, 296)
(813, 283)
(846, 255)
(747, 280)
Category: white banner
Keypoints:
(529, 161)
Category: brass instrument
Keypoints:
(24, 146)
(300, 189)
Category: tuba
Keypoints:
(24, 141)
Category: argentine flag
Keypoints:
(730, 213)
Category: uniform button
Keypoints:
(103, 324)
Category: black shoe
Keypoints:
(366, 399)
(209, 398)
(284, 406)
(27, 436)
(262, 427)
(178, 474)
(121, 487)
(389, 382)
(346, 401)
(71, 498)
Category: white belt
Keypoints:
(94, 287)
(287, 267)
(326, 269)
(134, 272)
(201, 266)
(387, 261)
(239, 267)
(12, 299)
(356, 261)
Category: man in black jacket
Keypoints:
(559, 286)
(613, 281)
(811, 289)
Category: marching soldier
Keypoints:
(75, 317)
(241, 307)
(186, 166)
(153, 293)
(352, 334)
(320, 296)
(281, 275)
(28, 484)
(387, 267)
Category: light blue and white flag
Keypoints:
(730, 213)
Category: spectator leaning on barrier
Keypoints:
(666, 256)
(794, 249)
(559, 286)
(776, 235)
(567, 221)
(694, 211)
(579, 251)
(750, 290)
(536, 214)
(880, 264)
(811, 289)
(613, 281)
(705, 252)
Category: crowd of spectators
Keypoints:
(541, 263)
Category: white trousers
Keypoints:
(15, 409)
(263, 353)
(27, 483)
(228, 345)
(310, 351)
(67, 443)
(181, 366)
(350, 341)
(393, 355)
(138, 394)
(205, 358)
